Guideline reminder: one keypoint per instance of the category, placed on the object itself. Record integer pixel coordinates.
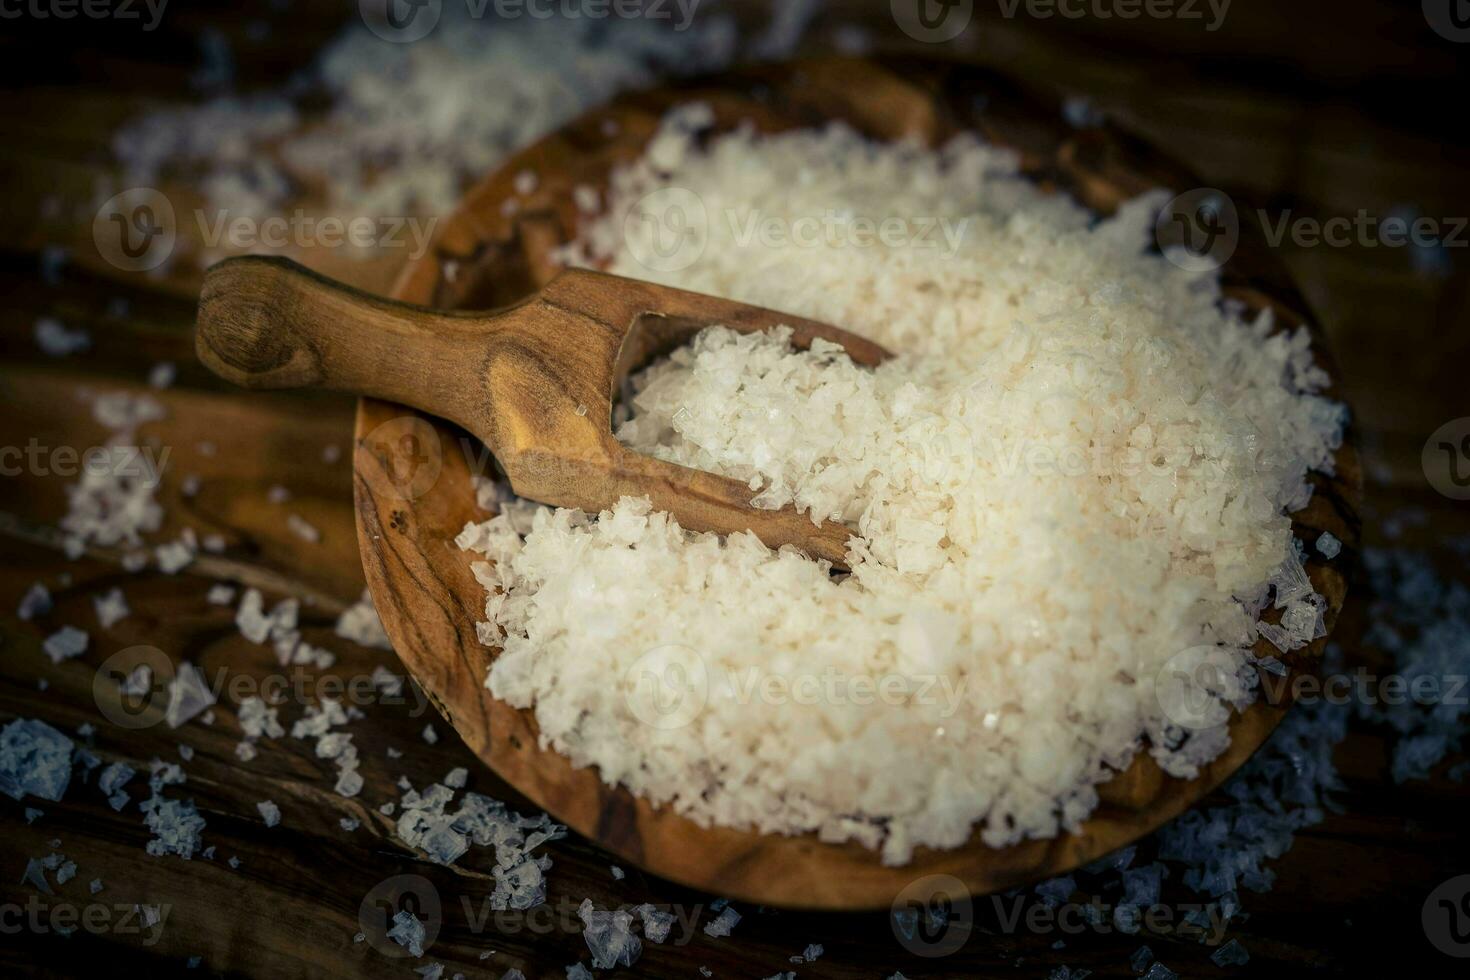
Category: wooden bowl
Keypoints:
(414, 497)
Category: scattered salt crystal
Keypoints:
(1057, 891)
(95, 885)
(525, 182)
(173, 556)
(408, 931)
(1160, 972)
(269, 812)
(35, 875)
(220, 594)
(617, 873)
(429, 735)
(586, 198)
(188, 695)
(57, 341)
(349, 824)
(722, 923)
(1329, 545)
(578, 972)
(65, 643)
(1230, 954)
(111, 607)
(609, 936)
(186, 752)
(656, 922)
(302, 528)
(36, 602)
(1273, 666)
(360, 624)
(114, 777)
(66, 872)
(162, 374)
(175, 825)
(456, 777)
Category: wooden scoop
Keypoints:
(535, 381)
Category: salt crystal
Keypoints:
(1329, 545)
(1141, 958)
(656, 922)
(173, 557)
(609, 936)
(162, 374)
(723, 923)
(360, 624)
(188, 695)
(408, 931)
(57, 341)
(35, 875)
(36, 602)
(112, 608)
(95, 885)
(35, 760)
(1230, 954)
(617, 873)
(300, 527)
(65, 643)
(269, 812)
(220, 594)
(429, 735)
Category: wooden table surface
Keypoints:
(1323, 109)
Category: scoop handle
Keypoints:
(267, 322)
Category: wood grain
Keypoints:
(535, 381)
(429, 600)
